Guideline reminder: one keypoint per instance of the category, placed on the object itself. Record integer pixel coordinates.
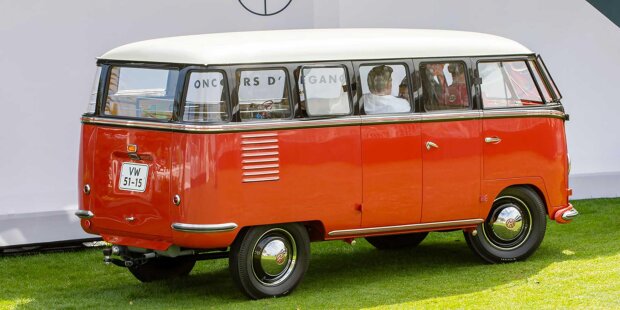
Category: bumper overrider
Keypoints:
(565, 215)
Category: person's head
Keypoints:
(403, 90)
(456, 70)
(436, 68)
(380, 80)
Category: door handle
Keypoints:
(430, 144)
(494, 140)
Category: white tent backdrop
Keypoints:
(47, 61)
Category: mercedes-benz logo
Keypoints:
(265, 7)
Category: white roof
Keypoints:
(314, 45)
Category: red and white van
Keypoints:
(251, 145)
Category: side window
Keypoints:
(445, 86)
(385, 89)
(263, 94)
(206, 100)
(324, 91)
(507, 84)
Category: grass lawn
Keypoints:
(577, 265)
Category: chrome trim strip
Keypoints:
(382, 119)
(522, 113)
(259, 148)
(252, 167)
(250, 180)
(84, 214)
(340, 121)
(570, 214)
(259, 135)
(385, 229)
(253, 173)
(228, 127)
(259, 141)
(203, 228)
(454, 116)
(260, 160)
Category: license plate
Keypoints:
(133, 177)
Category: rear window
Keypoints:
(141, 93)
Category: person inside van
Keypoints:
(403, 89)
(438, 90)
(457, 91)
(380, 99)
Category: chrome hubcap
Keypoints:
(274, 257)
(508, 224)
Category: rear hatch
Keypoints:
(131, 190)
(132, 166)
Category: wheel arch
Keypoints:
(492, 189)
(532, 187)
(315, 229)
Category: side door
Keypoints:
(451, 142)
(390, 140)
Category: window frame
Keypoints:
(349, 89)
(466, 61)
(262, 68)
(525, 59)
(101, 87)
(183, 94)
(104, 82)
(378, 62)
(548, 79)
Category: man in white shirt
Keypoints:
(380, 99)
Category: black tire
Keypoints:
(397, 241)
(270, 261)
(163, 268)
(514, 228)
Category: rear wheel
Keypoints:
(162, 268)
(270, 261)
(514, 228)
(397, 241)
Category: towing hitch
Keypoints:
(125, 259)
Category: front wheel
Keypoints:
(514, 228)
(270, 261)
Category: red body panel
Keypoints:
(392, 169)
(319, 179)
(451, 170)
(149, 209)
(88, 143)
(343, 177)
(533, 149)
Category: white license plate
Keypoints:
(133, 177)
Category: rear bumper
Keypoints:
(565, 215)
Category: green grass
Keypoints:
(577, 266)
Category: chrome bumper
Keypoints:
(204, 228)
(84, 214)
(570, 214)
